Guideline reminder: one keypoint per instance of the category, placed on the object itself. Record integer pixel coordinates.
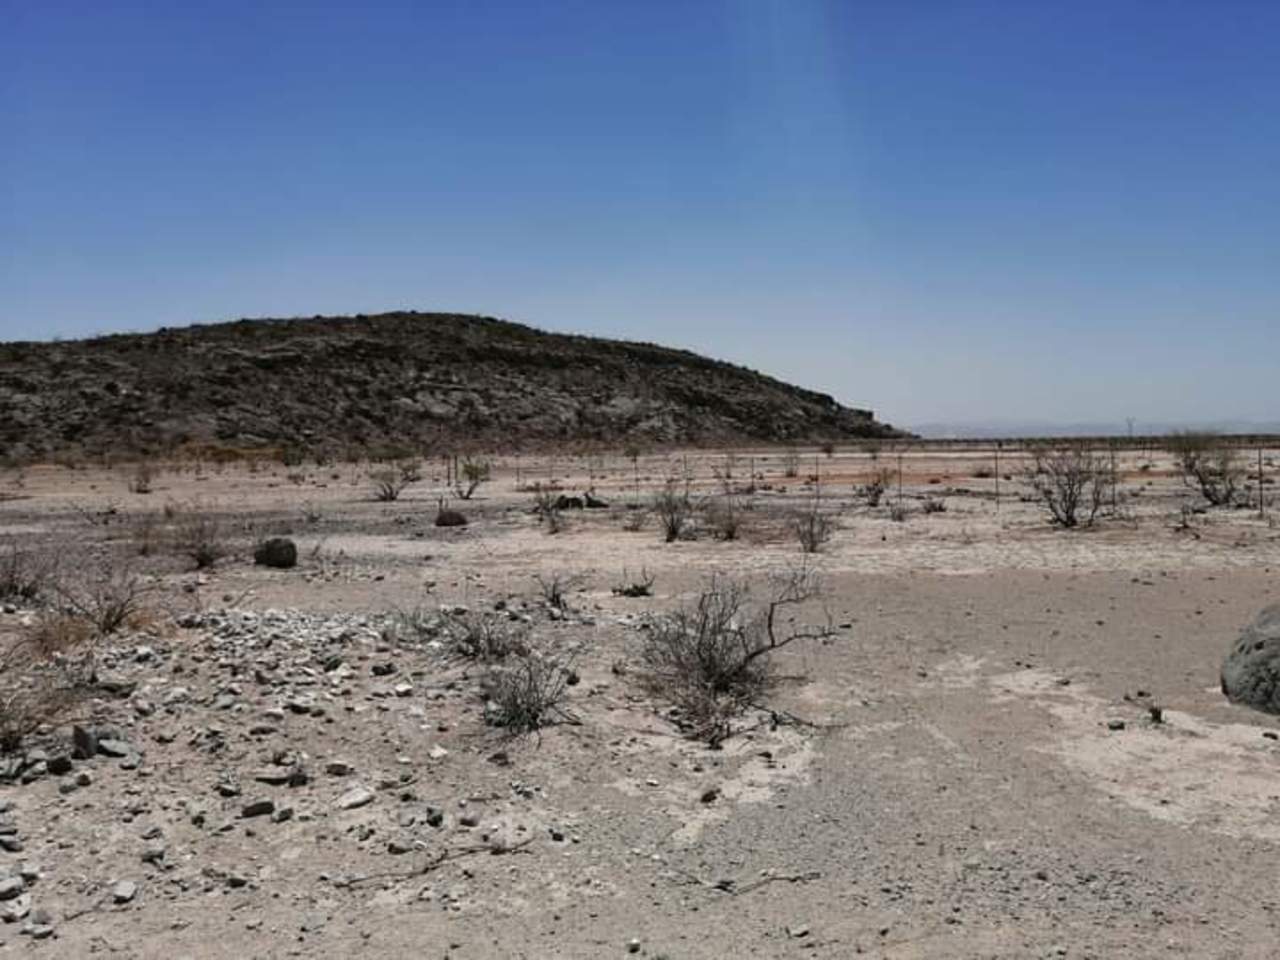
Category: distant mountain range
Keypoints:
(997, 429)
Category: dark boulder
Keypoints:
(450, 518)
(278, 552)
(1251, 671)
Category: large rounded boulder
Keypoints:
(1251, 671)
(279, 552)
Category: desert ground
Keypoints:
(1004, 739)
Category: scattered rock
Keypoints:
(84, 743)
(355, 798)
(124, 891)
(258, 808)
(16, 909)
(111, 747)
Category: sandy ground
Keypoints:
(978, 773)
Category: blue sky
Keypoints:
(944, 210)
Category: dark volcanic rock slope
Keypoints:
(392, 378)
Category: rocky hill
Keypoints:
(396, 378)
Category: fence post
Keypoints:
(1262, 491)
(1115, 482)
(997, 475)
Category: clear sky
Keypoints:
(945, 210)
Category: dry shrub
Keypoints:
(635, 519)
(54, 633)
(528, 693)
(474, 472)
(388, 484)
(200, 537)
(44, 673)
(791, 463)
(634, 587)
(546, 504)
(713, 661)
(1208, 463)
(485, 637)
(724, 516)
(933, 505)
(109, 601)
(147, 531)
(873, 490)
(674, 512)
(812, 529)
(555, 585)
(25, 575)
(142, 478)
(1071, 480)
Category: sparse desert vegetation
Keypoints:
(274, 669)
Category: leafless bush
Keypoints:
(199, 536)
(108, 600)
(388, 484)
(791, 463)
(474, 472)
(873, 490)
(933, 505)
(56, 633)
(1071, 480)
(35, 689)
(546, 504)
(25, 575)
(812, 528)
(634, 587)
(485, 637)
(635, 519)
(724, 515)
(147, 531)
(528, 693)
(412, 627)
(898, 512)
(712, 661)
(723, 471)
(45, 671)
(1208, 463)
(142, 478)
(674, 511)
(555, 585)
